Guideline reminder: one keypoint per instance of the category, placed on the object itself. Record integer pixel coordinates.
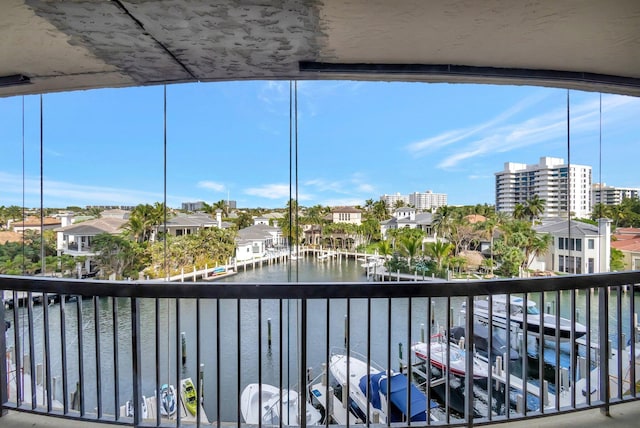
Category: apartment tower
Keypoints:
(562, 187)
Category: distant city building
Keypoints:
(111, 207)
(419, 200)
(551, 180)
(199, 205)
(427, 200)
(391, 200)
(193, 206)
(610, 195)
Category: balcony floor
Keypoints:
(622, 416)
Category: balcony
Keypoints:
(113, 347)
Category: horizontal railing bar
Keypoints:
(306, 290)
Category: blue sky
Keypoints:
(356, 141)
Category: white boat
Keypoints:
(129, 408)
(519, 312)
(168, 401)
(377, 379)
(272, 400)
(443, 354)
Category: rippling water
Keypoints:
(235, 332)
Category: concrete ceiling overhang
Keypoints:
(79, 44)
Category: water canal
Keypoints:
(241, 332)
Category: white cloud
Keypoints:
(491, 137)
(274, 92)
(421, 148)
(62, 194)
(356, 183)
(275, 191)
(211, 185)
(341, 202)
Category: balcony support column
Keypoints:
(136, 366)
(603, 339)
(4, 386)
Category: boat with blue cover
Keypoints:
(389, 392)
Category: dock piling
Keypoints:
(184, 346)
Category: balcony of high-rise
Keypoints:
(290, 108)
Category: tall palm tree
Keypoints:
(411, 246)
(534, 207)
(519, 212)
(438, 251)
(380, 210)
(493, 223)
(384, 248)
(368, 205)
(222, 206)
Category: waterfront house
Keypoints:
(627, 240)
(255, 241)
(76, 239)
(189, 224)
(410, 218)
(350, 215)
(578, 248)
(35, 224)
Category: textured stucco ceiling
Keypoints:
(67, 45)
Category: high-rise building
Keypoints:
(420, 201)
(610, 195)
(390, 200)
(427, 200)
(563, 187)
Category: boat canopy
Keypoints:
(398, 398)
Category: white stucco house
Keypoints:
(255, 241)
(407, 217)
(346, 215)
(576, 247)
(76, 239)
(189, 224)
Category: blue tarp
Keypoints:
(398, 397)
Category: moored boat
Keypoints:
(379, 382)
(190, 396)
(521, 313)
(262, 404)
(168, 402)
(499, 347)
(443, 354)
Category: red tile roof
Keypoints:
(627, 245)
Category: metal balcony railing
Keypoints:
(157, 353)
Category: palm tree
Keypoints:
(222, 206)
(438, 251)
(368, 205)
(443, 219)
(384, 248)
(537, 245)
(380, 210)
(411, 246)
(534, 207)
(490, 226)
(519, 212)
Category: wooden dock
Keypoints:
(336, 409)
